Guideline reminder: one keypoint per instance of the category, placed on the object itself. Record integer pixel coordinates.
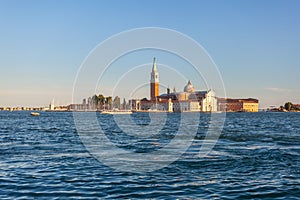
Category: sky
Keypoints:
(255, 44)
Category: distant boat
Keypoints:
(35, 114)
(151, 111)
(217, 112)
(116, 112)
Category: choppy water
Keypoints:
(256, 157)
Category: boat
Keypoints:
(116, 112)
(35, 114)
(151, 111)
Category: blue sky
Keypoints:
(255, 44)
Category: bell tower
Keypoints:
(154, 82)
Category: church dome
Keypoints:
(189, 87)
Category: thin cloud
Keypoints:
(274, 89)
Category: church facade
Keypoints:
(187, 101)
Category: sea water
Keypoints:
(257, 156)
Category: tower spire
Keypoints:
(154, 65)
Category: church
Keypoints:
(187, 101)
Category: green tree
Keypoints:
(109, 101)
(101, 100)
(288, 106)
(95, 100)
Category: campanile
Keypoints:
(154, 82)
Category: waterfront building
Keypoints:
(238, 105)
(296, 106)
(186, 106)
(80, 107)
(190, 100)
(187, 101)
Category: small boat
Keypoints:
(35, 114)
(116, 112)
(152, 111)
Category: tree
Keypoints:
(281, 108)
(117, 102)
(101, 99)
(124, 104)
(109, 101)
(288, 106)
(89, 100)
(95, 100)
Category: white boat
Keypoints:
(152, 111)
(35, 114)
(116, 112)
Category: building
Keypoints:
(296, 106)
(186, 106)
(191, 100)
(238, 105)
(187, 101)
(154, 82)
(81, 107)
(51, 105)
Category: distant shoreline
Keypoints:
(82, 111)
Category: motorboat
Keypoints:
(116, 112)
(35, 114)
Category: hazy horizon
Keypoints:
(255, 45)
